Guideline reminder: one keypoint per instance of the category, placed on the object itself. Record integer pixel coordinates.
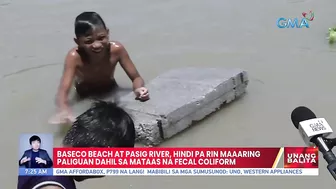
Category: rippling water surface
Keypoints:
(287, 68)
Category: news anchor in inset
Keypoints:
(35, 157)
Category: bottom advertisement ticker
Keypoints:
(188, 172)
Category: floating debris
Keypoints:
(332, 35)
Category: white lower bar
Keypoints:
(186, 172)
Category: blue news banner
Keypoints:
(35, 172)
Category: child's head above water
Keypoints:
(91, 33)
(103, 125)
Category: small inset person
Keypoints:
(35, 157)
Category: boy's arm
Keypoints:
(128, 65)
(66, 80)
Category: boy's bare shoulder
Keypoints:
(117, 47)
(73, 57)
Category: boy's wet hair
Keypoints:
(34, 138)
(105, 124)
(86, 22)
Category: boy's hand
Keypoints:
(141, 94)
(65, 116)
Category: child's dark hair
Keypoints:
(34, 138)
(103, 125)
(86, 22)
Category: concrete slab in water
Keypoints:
(181, 96)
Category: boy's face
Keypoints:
(35, 145)
(95, 43)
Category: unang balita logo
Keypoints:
(301, 157)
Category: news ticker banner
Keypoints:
(181, 161)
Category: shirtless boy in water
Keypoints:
(91, 65)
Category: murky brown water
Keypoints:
(287, 67)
